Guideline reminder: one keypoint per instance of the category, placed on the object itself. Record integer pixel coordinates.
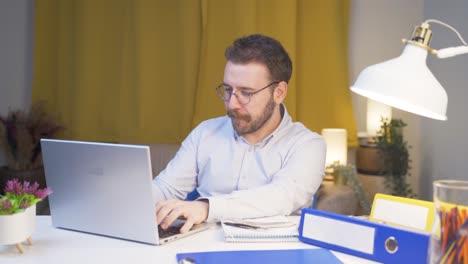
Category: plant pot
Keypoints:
(17, 228)
(369, 160)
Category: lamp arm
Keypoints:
(450, 52)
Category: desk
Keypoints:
(52, 245)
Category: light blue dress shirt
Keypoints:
(277, 176)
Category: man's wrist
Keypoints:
(206, 203)
(216, 208)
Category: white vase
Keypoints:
(16, 228)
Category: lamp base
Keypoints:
(328, 178)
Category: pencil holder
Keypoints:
(449, 234)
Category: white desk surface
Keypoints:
(52, 245)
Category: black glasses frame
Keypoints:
(221, 90)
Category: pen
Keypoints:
(242, 225)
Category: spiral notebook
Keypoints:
(267, 229)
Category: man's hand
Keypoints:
(195, 212)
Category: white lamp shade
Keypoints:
(375, 112)
(405, 83)
(337, 147)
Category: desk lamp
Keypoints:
(376, 111)
(337, 149)
(406, 82)
(368, 155)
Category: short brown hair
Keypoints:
(262, 49)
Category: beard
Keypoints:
(252, 124)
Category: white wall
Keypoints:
(16, 34)
(376, 30)
(16, 47)
(445, 143)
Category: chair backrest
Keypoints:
(161, 154)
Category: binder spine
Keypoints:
(362, 238)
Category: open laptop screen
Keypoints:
(101, 188)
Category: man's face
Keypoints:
(248, 118)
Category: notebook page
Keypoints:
(261, 230)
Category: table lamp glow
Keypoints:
(375, 112)
(337, 148)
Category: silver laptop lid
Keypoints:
(101, 188)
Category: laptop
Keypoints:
(104, 189)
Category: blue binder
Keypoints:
(260, 256)
(362, 238)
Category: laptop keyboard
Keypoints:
(170, 231)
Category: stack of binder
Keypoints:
(385, 241)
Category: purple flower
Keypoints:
(14, 187)
(21, 196)
(42, 193)
(30, 189)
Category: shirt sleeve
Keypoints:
(291, 188)
(180, 175)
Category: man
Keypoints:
(253, 162)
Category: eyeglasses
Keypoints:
(225, 92)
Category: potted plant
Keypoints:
(395, 156)
(20, 134)
(18, 211)
(347, 175)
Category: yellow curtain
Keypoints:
(144, 71)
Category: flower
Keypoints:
(14, 187)
(20, 196)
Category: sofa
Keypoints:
(330, 197)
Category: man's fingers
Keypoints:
(160, 204)
(162, 214)
(187, 226)
(171, 217)
(163, 209)
(168, 211)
